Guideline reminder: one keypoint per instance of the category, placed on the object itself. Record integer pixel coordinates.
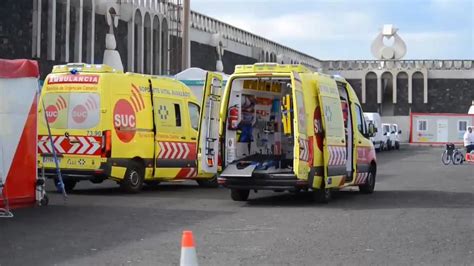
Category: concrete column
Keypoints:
(425, 86)
(68, 29)
(160, 45)
(379, 88)
(35, 32)
(410, 87)
(364, 88)
(141, 47)
(131, 44)
(394, 89)
(152, 65)
(52, 30)
(78, 32)
(93, 33)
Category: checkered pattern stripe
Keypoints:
(337, 155)
(361, 178)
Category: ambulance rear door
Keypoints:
(334, 144)
(301, 146)
(208, 136)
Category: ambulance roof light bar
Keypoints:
(270, 67)
(82, 67)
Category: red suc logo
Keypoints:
(79, 114)
(124, 120)
(52, 113)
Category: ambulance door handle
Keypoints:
(183, 137)
(360, 142)
(193, 138)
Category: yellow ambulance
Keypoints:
(286, 128)
(131, 128)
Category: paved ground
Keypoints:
(422, 213)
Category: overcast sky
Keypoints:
(344, 29)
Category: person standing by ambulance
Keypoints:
(469, 140)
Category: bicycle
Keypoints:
(452, 154)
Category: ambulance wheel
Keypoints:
(397, 145)
(133, 180)
(239, 194)
(209, 183)
(369, 185)
(322, 195)
(69, 185)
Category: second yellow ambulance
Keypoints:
(284, 127)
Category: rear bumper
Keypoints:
(263, 182)
(78, 174)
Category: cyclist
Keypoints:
(469, 140)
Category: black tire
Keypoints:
(397, 145)
(321, 195)
(369, 186)
(457, 157)
(69, 185)
(445, 158)
(209, 183)
(239, 194)
(389, 145)
(133, 179)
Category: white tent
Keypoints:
(195, 78)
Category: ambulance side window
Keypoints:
(194, 115)
(360, 119)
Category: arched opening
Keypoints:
(371, 92)
(387, 107)
(147, 46)
(267, 57)
(156, 45)
(417, 92)
(164, 47)
(401, 107)
(262, 56)
(138, 38)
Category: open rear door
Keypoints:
(334, 148)
(301, 146)
(208, 142)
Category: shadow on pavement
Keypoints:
(378, 200)
(84, 230)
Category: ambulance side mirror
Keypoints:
(400, 132)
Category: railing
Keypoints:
(398, 64)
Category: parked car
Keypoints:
(387, 131)
(397, 134)
(380, 140)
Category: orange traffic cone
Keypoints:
(188, 250)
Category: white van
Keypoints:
(397, 134)
(387, 131)
(380, 140)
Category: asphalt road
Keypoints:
(421, 213)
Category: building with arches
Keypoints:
(148, 36)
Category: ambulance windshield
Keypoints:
(72, 110)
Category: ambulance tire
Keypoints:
(239, 194)
(397, 145)
(369, 186)
(208, 183)
(133, 180)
